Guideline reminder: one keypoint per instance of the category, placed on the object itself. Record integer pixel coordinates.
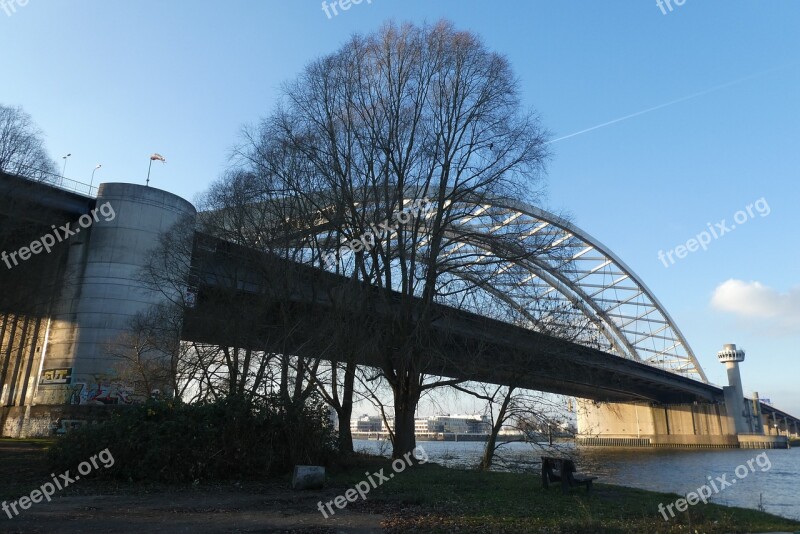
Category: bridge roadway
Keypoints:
(469, 346)
(510, 354)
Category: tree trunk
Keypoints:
(345, 413)
(488, 452)
(345, 434)
(491, 443)
(406, 396)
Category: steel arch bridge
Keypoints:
(570, 279)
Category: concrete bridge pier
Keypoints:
(693, 425)
(729, 421)
(67, 369)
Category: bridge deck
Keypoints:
(468, 346)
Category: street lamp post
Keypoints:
(94, 171)
(64, 169)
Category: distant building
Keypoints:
(455, 424)
(435, 424)
(427, 425)
(369, 423)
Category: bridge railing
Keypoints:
(56, 180)
(74, 186)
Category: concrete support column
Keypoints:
(734, 394)
(757, 420)
(103, 289)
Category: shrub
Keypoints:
(226, 439)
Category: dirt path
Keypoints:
(188, 513)
(98, 507)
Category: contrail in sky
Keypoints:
(672, 102)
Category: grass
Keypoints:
(22, 462)
(430, 498)
(44, 442)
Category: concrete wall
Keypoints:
(615, 419)
(21, 343)
(679, 425)
(65, 355)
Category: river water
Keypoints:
(773, 480)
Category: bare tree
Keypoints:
(512, 406)
(346, 335)
(228, 277)
(151, 355)
(249, 213)
(22, 149)
(531, 414)
(407, 113)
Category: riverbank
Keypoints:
(422, 498)
(438, 499)
(658, 470)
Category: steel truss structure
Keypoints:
(561, 280)
(632, 322)
(536, 269)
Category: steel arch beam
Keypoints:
(569, 228)
(577, 298)
(588, 298)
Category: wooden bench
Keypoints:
(563, 470)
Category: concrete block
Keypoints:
(308, 477)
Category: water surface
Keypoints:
(775, 482)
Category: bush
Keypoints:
(226, 439)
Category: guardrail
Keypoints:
(73, 186)
(61, 182)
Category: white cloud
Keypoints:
(780, 312)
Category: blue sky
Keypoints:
(113, 82)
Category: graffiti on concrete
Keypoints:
(56, 376)
(101, 393)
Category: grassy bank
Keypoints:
(437, 499)
(22, 464)
(423, 498)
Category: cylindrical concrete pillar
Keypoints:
(104, 289)
(734, 393)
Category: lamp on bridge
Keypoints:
(64, 169)
(94, 171)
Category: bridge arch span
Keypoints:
(572, 278)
